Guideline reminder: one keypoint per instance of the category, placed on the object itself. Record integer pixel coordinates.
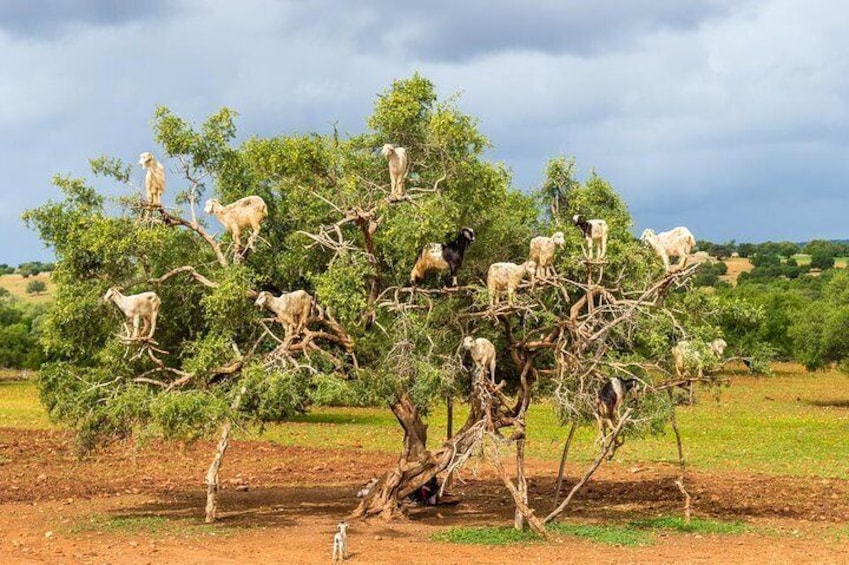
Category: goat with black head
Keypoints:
(610, 399)
(443, 257)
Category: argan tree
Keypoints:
(216, 359)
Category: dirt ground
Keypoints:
(280, 505)
(736, 265)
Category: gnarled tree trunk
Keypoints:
(417, 465)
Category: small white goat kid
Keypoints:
(340, 543)
(247, 212)
(292, 309)
(399, 166)
(678, 242)
(483, 354)
(542, 253)
(506, 277)
(138, 308)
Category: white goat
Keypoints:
(677, 242)
(292, 309)
(595, 235)
(483, 354)
(154, 179)
(688, 357)
(340, 543)
(399, 166)
(246, 212)
(542, 253)
(506, 277)
(137, 308)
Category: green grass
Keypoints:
(631, 534)
(19, 406)
(695, 526)
(608, 534)
(780, 425)
(156, 526)
(485, 535)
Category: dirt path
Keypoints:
(280, 505)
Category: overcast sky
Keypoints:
(729, 117)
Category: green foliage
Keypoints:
(765, 260)
(36, 287)
(330, 390)
(187, 415)
(818, 333)
(20, 329)
(822, 259)
(274, 395)
(341, 288)
(404, 111)
(709, 272)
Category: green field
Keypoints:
(16, 284)
(793, 423)
(804, 259)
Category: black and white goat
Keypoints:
(595, 235)
(443, 257)
(610, 399)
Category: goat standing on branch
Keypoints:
(506, 277)
(399, 166)
(688, 357)
(247, 212)
(542, 253)
(610, 399)
(137, 308)
(595, 235)
(677, 242)
(154, 179)
(443, 257)
(483, 354)
(292, 309)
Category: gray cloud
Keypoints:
(49, 18)
(447, 30)
(730, 118)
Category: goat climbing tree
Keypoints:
(332, 230)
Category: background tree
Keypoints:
(36, 287)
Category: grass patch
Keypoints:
(636, 533)
(696, 525)
(156, 526)
(608, 534)
(483, 535)
(19, 406)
